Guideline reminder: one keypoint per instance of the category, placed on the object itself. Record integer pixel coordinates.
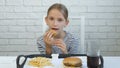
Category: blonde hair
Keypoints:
(62, 8)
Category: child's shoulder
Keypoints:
(40, 38)
(70, 35)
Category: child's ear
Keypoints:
(67, 22)
(46, 21)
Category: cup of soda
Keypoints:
(94, 59)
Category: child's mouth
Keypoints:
(54, 28)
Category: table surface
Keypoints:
(109, 61)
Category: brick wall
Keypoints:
(21, 23)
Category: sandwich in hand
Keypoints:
(54, 33)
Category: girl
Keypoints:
(63, 42)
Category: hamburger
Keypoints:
(54, 33)
(72, 62)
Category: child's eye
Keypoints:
(51, 18)
(60, 20)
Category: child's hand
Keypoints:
(49, 37)
(60, 43)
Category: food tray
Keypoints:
(57, 62)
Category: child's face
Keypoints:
(55, 20)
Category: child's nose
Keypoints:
(55, 22)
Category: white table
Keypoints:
(10, 61)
